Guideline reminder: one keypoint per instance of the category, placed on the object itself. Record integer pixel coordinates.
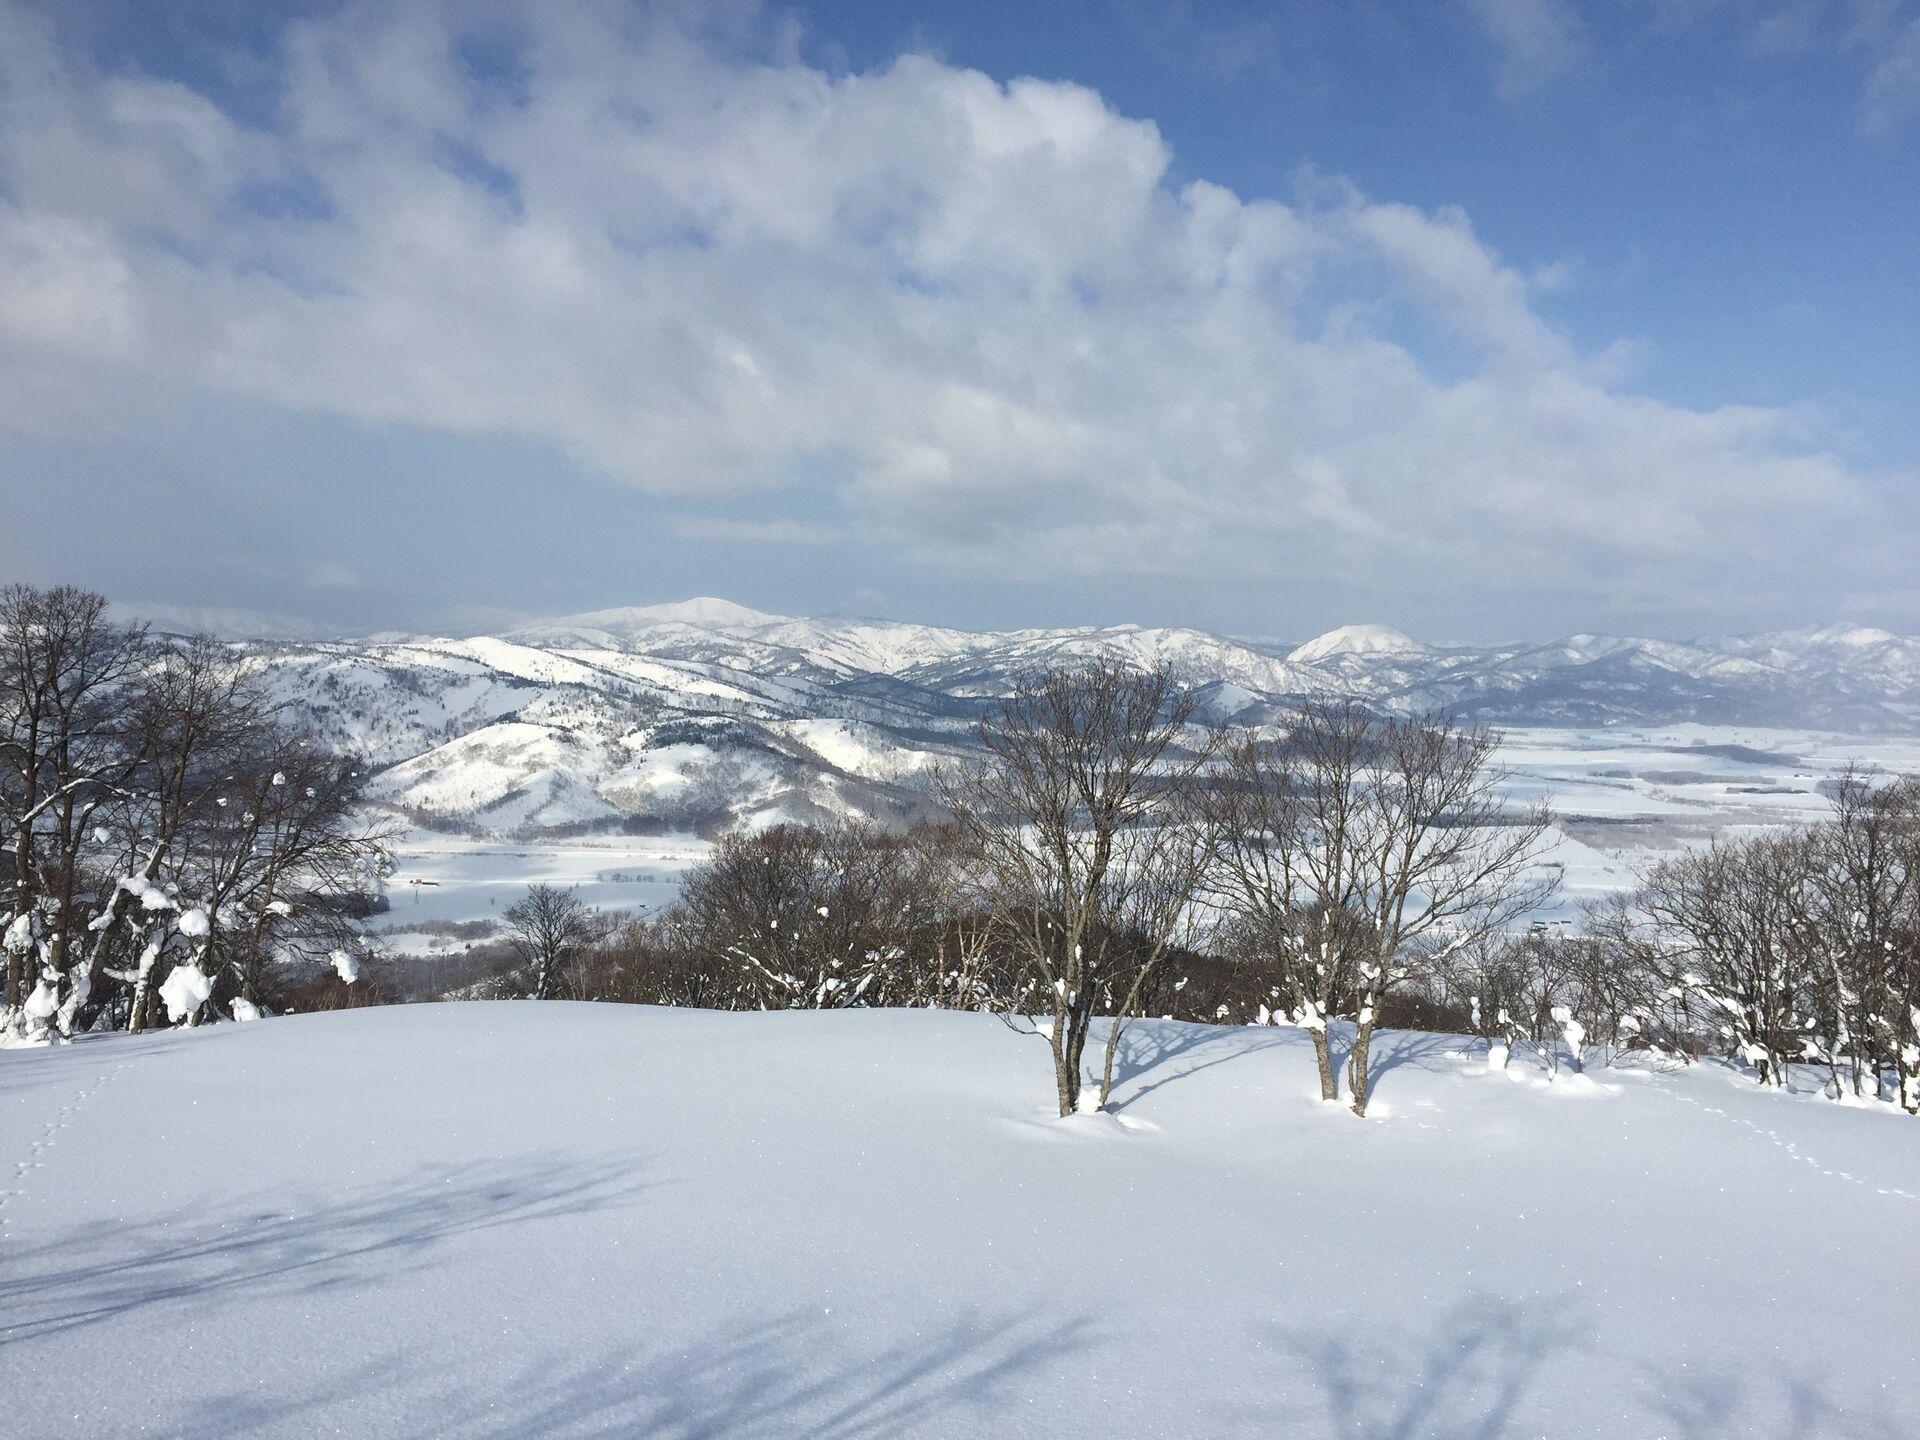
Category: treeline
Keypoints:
(1791, 947)
(1107, 857)
(172, 843)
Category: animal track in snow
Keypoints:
(49, 1137)
(1793, 1150)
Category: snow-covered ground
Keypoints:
(1625, 798)
(518, 1219)
(444, 878)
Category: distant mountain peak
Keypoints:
(1853, 636)
(1356, 640)
(703, 612)
(706, 610)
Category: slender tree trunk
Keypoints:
(137, 1011)
(1124, 1017)
(1323, 1057)
(17, 986)
(1076, 1049)
(1357, 1066)
(1120, 1023)
(1066, 1077)
(1906, 1067)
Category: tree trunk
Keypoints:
(137, 1012)
(1066, 1074)
(1357, 1064)
(1906, 1069)
(1113, 1047)
(1323, 1057)
(1076, 1048)
(17, 986)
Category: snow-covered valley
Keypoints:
(554, 1219)
(705, 716)
(1623, 799)
(604, 750)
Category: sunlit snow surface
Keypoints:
(1626, 797)
(443, 878)
(524, 1219)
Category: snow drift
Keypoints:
(547, 1219)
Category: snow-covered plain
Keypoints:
(1625, 797)
(521, 1219)
(445, 880)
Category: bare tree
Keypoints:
(314, 854)
(1868, 884)
(1077, 829)
(268, 870)
(1732, 940)
(546, 928)
(1361, 847)
(200, 715)
(951, 961)
(69, 743)
(1795, 946)
(812, 918)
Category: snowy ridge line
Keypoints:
(706, 716)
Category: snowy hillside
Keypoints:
(705, 715)
(556, 1220)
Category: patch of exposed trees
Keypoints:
(174, 848)
(1111, 857)
(1106, 852)
(1793, 952)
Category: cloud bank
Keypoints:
(985, 324)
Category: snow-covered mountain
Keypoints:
(705, 714)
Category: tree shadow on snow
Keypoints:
(1174, 1052)
(1696, 1401)
(1169, 1053)
(1463, 1381)
(791, 1374)
(1475, 1375)
(1416, 1049)
(101, 1269)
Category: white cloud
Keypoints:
(1884, 35)
(1891, 98)
(227, 621)
(981, 314)
(1538, 40)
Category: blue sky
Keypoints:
(1484, 319)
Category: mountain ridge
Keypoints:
(706, 715)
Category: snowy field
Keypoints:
(1625, 798)
(517, 1219)
(443, 879)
